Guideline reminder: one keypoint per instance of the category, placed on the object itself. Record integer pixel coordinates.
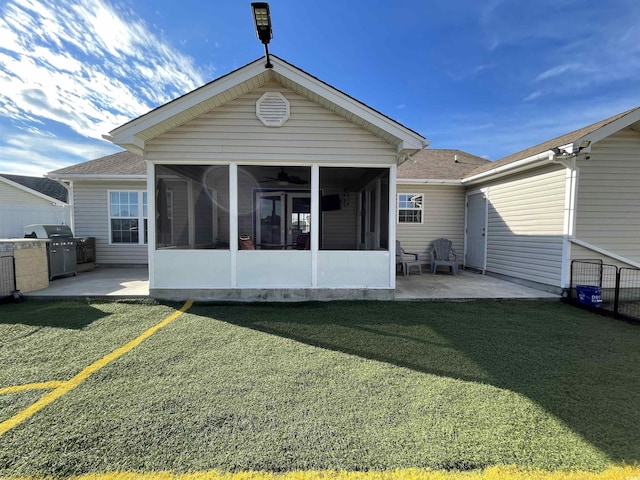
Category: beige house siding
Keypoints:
(525, 225)
(91, 214)
(608, 212)
(232, 132)
(443, 216)
(578, 252)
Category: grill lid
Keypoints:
(47, 231)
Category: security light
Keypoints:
(584, 144)
(262, 20)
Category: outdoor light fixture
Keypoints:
(262, 19)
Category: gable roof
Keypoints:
(438, 164)
(43, 187)
(133, 134)
(119, 165)
(593, 133)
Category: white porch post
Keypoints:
(392, 225)
(315, 222)
(571, 192)
(151, 222)
(233, 222)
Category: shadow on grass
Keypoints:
(55, 314)
(581, 367)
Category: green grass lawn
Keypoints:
(341, 385)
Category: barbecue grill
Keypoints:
(61, 248)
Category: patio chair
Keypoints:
(246, 243)
(443, 254)
(406, 259)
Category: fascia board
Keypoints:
(428, 181)
(35, 193)
(510, 168)
(96, 176)
(611, 128)
(409, 139)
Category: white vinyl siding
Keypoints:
(526, 225)
(91, 214)
(19, 209)
(608, 211)
(443, 216)
(10, 195)
(232, 132)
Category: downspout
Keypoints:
(569, 227)
(71, 203)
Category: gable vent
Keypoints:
(272, 109)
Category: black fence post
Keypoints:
(616, 301)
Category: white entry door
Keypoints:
(476, 233)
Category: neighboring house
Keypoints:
(26, 200)
(575, 196)
(302, 169)
(97, 189)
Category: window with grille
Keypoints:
(127, 212)
(410, 208)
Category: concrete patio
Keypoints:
(106, 282)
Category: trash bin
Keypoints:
(589, 295)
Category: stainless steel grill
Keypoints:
(61, 249)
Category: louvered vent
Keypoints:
(272, 109)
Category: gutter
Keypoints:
(428, 181)
(95, 176)
(510, 167)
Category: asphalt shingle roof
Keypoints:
(440, 164)
(549, 144)
(46, 186)
(121, 163)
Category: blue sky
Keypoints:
(488, 77)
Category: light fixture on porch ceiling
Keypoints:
(262, 19)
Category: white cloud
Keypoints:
(85, 65)
(41, 152)
(559, 70)
(532, 96)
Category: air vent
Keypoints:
(272, 109)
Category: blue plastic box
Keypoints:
(589, 295)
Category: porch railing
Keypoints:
(606, 288)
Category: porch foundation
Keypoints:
(271, 294)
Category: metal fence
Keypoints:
(607, 288)
(7, 277)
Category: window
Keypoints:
(127, 211)
(410, 208)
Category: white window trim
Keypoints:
(421, 209)
(141, 217)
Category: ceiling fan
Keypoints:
(283, 178)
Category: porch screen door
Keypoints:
(271, 218)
